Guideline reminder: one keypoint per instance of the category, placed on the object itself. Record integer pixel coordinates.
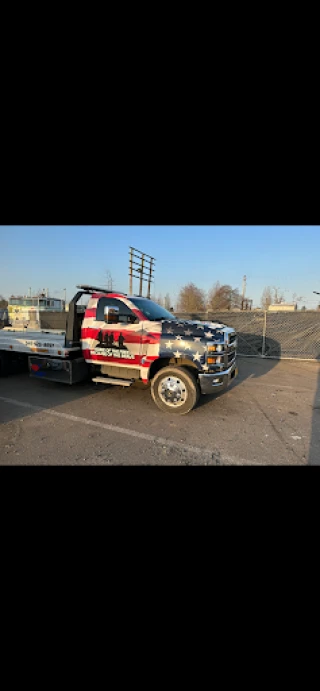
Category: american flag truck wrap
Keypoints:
(120, 339)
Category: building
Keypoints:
(24, 309)
(283, 307)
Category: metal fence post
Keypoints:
(264, 334)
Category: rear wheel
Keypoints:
(175, 390)
(5, 364)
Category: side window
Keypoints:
(125, 313)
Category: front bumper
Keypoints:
(217, 380)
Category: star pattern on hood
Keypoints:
(190, 340)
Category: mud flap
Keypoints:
(62, 371)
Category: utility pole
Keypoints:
(109, 281)
(150, 278)
(141, 275)
(143, 269)
(244, 286)
(130, 271)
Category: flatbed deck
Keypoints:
(48, 342)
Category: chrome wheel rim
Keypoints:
(172, 391)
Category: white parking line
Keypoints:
(255, 380)
(206, 455)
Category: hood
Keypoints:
(206, 330)
(189, 339)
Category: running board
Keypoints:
(108, 380)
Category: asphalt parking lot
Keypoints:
(270, 415)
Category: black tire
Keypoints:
(185, 394)
(4, 364)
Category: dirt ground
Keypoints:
(270, 415)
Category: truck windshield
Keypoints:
(151, 310)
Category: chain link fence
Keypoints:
(260, 334)
(271, 334)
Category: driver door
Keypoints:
(116, 340)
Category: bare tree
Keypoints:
(236, 299)
(159, 300)
(223, 297)
(278, 297)
(266, 299)
(167, 301)
(297, 298)
(275, 296)
(191, 299)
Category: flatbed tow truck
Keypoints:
(119, 339)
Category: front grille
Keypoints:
(228, 354)
(228, 360)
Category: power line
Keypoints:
(144, 272)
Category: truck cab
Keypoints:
(132, 338)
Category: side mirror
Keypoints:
(111, 315)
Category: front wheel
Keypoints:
(175, 390)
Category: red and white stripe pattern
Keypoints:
(142, 339)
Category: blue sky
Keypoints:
(60, 257)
